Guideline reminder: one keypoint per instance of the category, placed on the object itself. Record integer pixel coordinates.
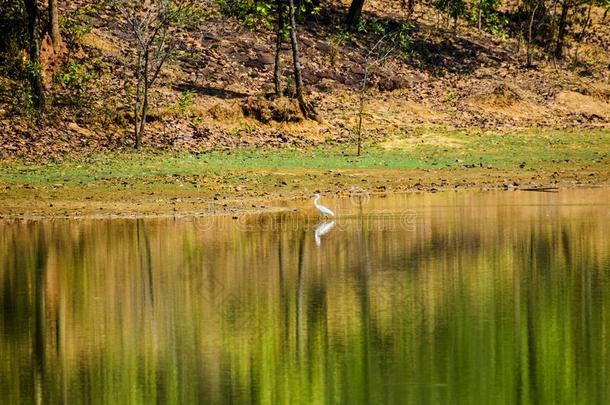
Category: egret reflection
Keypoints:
(322, 230)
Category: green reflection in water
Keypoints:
(465, 298)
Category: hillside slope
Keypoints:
(211, 95)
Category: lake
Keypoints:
(447, 298)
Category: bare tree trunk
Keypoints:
(561, 28)
(277, 71)
(362, 100)
(144, 110)
(368, 70)
(54, 23)
(529, 34)
(359, 130)
(136, 118)
(354, 13)
(307, 110)
(151, 30)
(143, 114)
(136, 104)
(296, 57)
(35, 72)
(584, 29)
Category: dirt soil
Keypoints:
(260, 191)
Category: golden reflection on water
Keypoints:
(493, 298)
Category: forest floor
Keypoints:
(149, 183)
(213, 95)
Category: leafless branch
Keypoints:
(149, 23)
(373, 59)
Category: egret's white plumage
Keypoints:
(322, 209)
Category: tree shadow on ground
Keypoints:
(433, 49)
(217, 92)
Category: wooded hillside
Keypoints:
(215, 74)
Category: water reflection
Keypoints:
(322, 230)
(483, 298)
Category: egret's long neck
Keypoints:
(316, 199)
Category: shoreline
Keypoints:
(145, 184)
(236, 208)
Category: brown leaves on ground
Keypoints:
(212, 94)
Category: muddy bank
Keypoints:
(260, 191)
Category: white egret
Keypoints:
(322, 230)
(325, 211)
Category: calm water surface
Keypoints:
(451, 298)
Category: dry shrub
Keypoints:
(503, 96)
(223, 111)
(280, 109)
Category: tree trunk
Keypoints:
(35, 73)
(530, 34)
(54, 25)
(143, 115)
(561, 29)
(354, 13)
(136, 118)
(136, 104)
(145, 89)
(307, 110)
(583, 31)
(296, 57)
(277, 71)
(359, 127)
(362, 100)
